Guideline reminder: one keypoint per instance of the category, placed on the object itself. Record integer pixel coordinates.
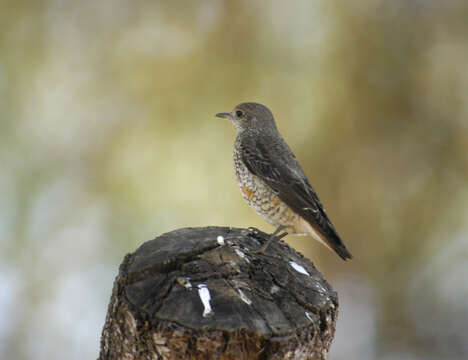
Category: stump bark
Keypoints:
(202, 293)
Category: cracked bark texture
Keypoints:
(201, 293)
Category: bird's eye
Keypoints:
(239, 113)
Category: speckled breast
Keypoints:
(261, 198)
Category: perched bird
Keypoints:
(272, 181)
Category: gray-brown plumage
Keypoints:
(272, 181)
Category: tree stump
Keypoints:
(202, 293)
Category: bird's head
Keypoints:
(250, 116)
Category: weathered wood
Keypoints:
(201, 293)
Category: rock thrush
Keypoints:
(272, 181)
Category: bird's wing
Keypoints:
(283, 174)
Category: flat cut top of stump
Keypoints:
(210, 279)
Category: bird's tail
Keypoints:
(340, 248)
(332, 241)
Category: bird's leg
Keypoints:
(271, 238)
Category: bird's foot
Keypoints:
(272, 237)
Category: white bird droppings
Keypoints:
(241, 255)
(220, 240)
(309, 316)
(298, 268)
(205, 297)
(320, 288)
(274, 289)
(244, 298)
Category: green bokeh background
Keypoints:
(108, 139)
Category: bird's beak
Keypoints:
(224, 115)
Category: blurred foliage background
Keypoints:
(108, 139)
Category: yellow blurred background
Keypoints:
(108, 139)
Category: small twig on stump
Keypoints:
(201, 293)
